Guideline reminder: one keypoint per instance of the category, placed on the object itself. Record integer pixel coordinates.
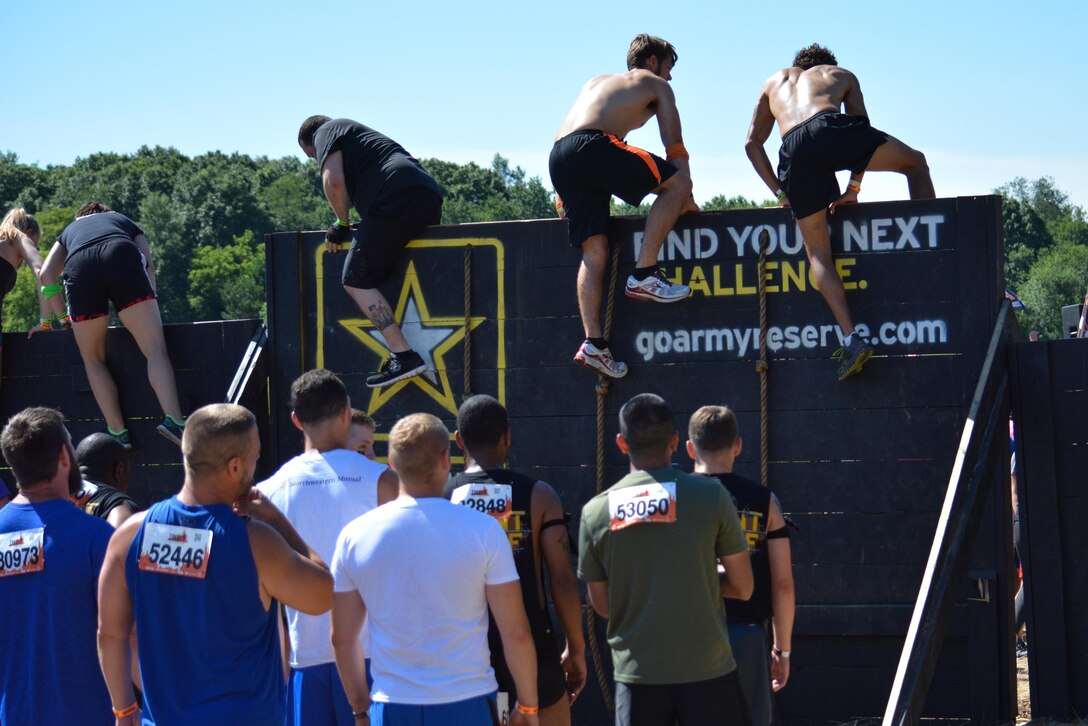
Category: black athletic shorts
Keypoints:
(113, 270)
(551, 682)
(588, 167)
(813, 150)
(390, 224)
(717, 702)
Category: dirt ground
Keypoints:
(1023, 695)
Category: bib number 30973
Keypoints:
(652, 503)
(494, 499)
(173, 550)
(22, 552)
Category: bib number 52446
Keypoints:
(171, 550)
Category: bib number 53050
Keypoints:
(173, 550)
(651, 503)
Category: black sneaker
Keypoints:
(171, 430)
(852, 357)
(122, 437)
(397, 368)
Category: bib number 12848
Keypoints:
(494, 499)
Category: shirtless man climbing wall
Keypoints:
(817, 141)
(590, 162)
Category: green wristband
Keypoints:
(780, 194)
(341, 222)
(50, 290)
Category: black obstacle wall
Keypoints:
(47, 371)
(1050, 408)
(861, 465)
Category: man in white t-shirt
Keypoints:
(422, 572)
(320, 492)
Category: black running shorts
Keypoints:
(813, 150)
(717, 702)
(390, 224)
(113, 270)
(588, 167)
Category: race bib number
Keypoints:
(22, 552)
(494, 499)
(173, 550)
(654, 502)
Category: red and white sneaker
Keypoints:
(600, 359)
(656, 287)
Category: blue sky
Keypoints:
(988, 90)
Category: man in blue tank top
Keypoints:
(50, 556)
(199, 575)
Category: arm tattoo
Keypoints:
(380, 315)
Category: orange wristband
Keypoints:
(527, 710)
(122, 712)
(674, 151)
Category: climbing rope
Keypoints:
(603, 383)
(762, 366)
(467, 348)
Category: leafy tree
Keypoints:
(23, 185)
(171, 250)
(228, 281)
(623, 209)
(1058, 278)
(720, 202)
(476, 194)
(216, 197)
(291, 204)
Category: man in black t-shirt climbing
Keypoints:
(104, 465)
(395, 198)
(713, 443)
(532, 515)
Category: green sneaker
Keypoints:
(122, 437)
(171, 429)
(852, 357)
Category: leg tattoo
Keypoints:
(380, 315)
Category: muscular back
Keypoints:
(618, 103)
(795, 95)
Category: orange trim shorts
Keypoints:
(588, 167)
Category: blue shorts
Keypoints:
(315, 697)
(478, 711)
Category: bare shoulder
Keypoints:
(261, 537)
(127, 531)
(838, 74)
(546, 499)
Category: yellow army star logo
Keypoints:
(432, 337)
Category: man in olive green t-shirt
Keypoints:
(647, 553)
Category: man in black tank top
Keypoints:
(532, 515)
(713, 444)
(104, 464)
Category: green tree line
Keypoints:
(1046, 252)
(205, 218)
